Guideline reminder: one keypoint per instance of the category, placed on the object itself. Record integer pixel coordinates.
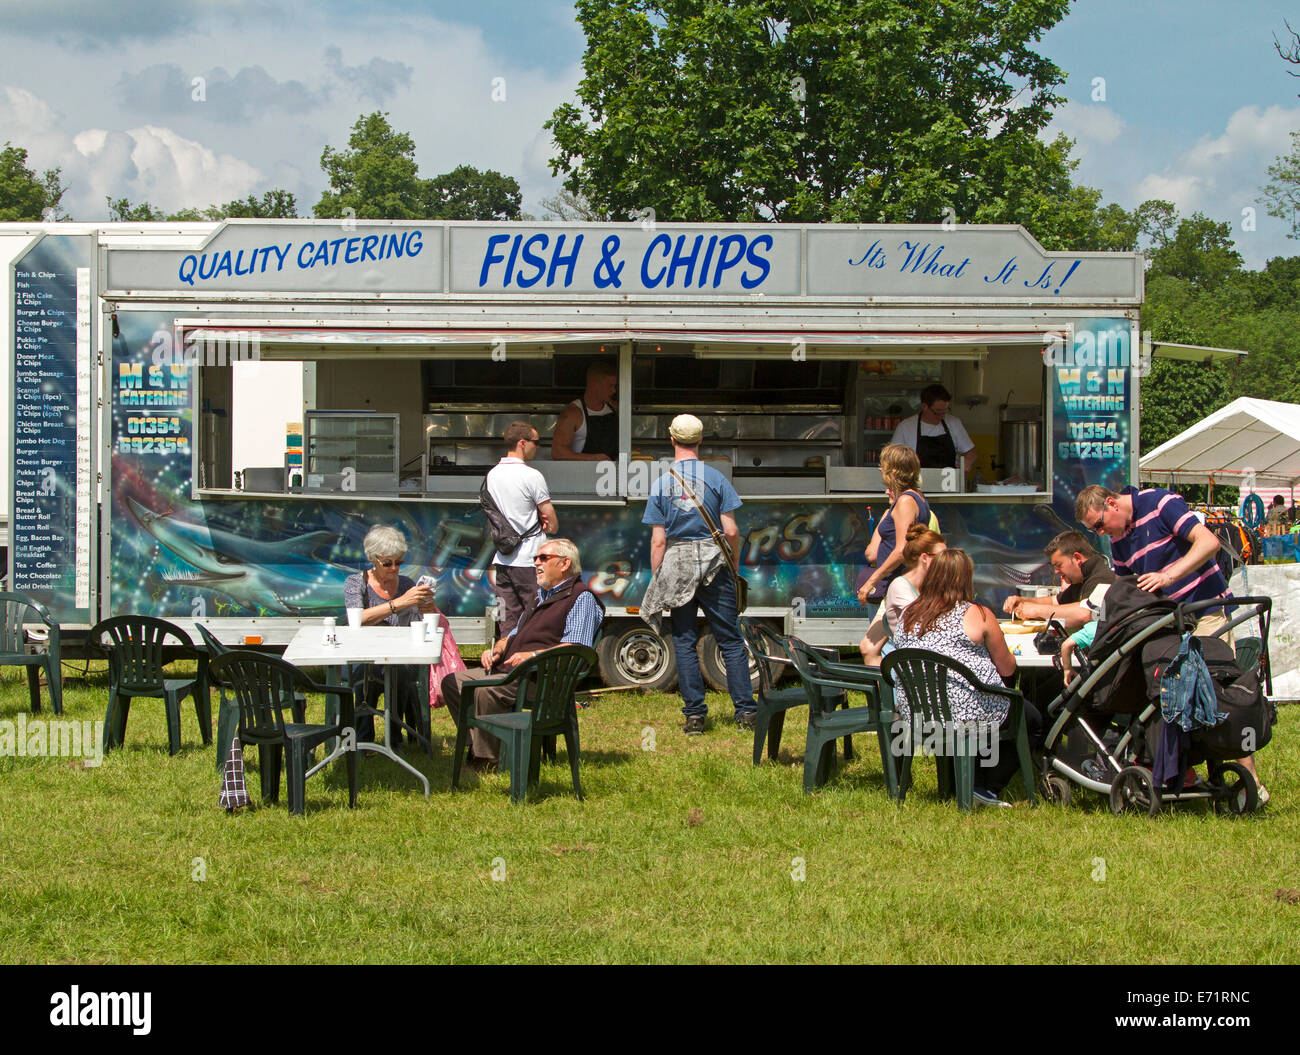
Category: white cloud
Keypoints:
(1088, 123)
(158, 165)
(22, 113)
(1249, 129)
(1219, 175)
(1184, 191)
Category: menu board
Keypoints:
(50, 534)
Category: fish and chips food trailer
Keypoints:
(207, 418)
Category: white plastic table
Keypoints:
(385, 646)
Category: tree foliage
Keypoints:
(273, 204)
(876, 111)
(465, 193)
(1282, 192)
(25, 196)
(377, 178)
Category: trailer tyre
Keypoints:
(714, 669)
(637, 656)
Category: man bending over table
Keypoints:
(567, 613)
(1082, 570)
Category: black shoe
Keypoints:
(694, 725)
(745, 719)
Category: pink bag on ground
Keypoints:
(450, 663)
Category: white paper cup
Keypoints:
(354, 617)
(417, 633)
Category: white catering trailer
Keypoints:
(207, 418)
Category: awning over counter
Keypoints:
(331, 342)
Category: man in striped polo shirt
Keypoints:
(1155, 536)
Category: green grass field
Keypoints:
(683, 853)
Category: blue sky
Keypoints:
(1196, 101)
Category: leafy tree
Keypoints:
(275, 204)
(375, 177)
(120, 210)
(569, 207)
(1200, 251)
(465, 193)
(1282, 193)
(24, 196)
(879, 111)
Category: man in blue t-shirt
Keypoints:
(690, 572)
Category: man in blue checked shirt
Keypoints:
(567, 613)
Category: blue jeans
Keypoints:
(718, 600)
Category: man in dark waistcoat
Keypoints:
(567, 613)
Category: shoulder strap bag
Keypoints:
(742, 587)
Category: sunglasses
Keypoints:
(544, 557)
(388, 563)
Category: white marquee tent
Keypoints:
(1247, 437)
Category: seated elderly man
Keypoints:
(567, 613)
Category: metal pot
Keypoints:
(1022, 444)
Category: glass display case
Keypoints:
(351, 451)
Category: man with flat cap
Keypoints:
(691, 572)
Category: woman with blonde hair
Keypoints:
(945, 619)
(901, 471)
(923, 545)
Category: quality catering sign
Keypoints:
(878, 263)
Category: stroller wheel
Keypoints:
(1235, 789)
(1134, 789)
(1055, 789)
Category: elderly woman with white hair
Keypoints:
(386, 597)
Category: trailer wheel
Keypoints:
(637, 656)
(715, 670)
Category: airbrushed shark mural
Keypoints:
(175, 556)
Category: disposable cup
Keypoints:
(417, 633)
(354, 617)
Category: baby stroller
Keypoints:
(1106, 730)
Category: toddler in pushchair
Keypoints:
(1152, 701)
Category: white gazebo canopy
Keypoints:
(1250, 442)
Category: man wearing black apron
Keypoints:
(587, 429)
(937, 437)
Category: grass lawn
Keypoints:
(682, 853)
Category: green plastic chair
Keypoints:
(1249, 650)
(923, 676)
(136, 657)
(260, 684)
(16, 610)
(769, 652)
(824, 682)
(227, 710)
(544, 706)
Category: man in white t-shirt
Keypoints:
(938, 437)
(521, 494)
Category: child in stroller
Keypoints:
(1107, 729)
